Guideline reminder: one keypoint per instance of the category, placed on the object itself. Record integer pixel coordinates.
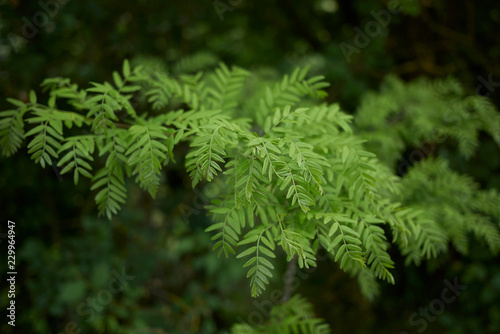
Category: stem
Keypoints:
(291, 268)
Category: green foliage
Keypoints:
(288, 92)
(224, 88)
(259, 266)
(78, 149)
(197, 62)
(410, 115)
(294, 316)
(454, 204)
(12, 127)
(296, 176)
(148, 151)
(425, 114)
(110, 178)
(445, 40)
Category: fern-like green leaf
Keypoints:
(79, 151)
(147, 152)
(260, 266)
(12, 128)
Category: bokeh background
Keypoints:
(66, 256)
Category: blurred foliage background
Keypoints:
(66, 256)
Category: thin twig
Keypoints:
(289, 276)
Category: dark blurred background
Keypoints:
(66, 256)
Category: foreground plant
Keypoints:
(297, 177)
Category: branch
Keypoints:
(291, 268)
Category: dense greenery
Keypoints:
(289, 169)
(292, 164)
